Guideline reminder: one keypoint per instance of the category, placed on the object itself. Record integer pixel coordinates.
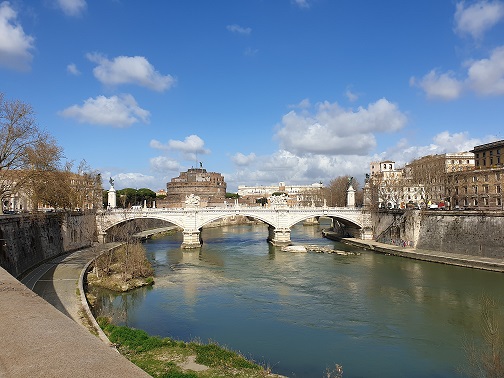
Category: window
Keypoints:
(475, 178)
(497, 189)
(498, 201)
(475, 189)
(491, 153)
(485, 201)
(491, 161)
(485, 188)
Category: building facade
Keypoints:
(298, 195)
(210, 187)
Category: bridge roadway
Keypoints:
(279, 218)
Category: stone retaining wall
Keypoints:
(28, 240)
(464, 232)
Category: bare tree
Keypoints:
(25, 150)
(336, 191)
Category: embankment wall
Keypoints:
(465, 232)
(28, 240)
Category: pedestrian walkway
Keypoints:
(40, 340)
(478, 262)
(57, 280)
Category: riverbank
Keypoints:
(457, 259)
(61, 282)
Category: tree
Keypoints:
(26, 152)
(336, 191)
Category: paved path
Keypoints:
(57, 280)
(38, 340)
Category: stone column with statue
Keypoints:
(350, 199)
(112, 197)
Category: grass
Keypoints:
(164, 357)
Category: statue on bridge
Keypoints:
(192, 201)
(280, 200)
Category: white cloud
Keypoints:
(163, 164)
(117, 111)
(443, 142)
(333, 130)
(486, 76)
(441, 86)
(301, 3)
(249, 51)
(72, 7)
(158, 145)
(477, 18)
(352, 97)
(15, 45)
(129, 70)
(239, 29)
(72, 68)
(192, 143)
(132, 180)
(190, 147)
(241, 159)
(293, 169)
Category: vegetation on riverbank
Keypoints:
(168, 358)
(122, 269)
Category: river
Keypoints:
(303, 313)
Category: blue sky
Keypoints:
(261, 91)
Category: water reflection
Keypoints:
(302, 313)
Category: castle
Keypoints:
(210, 187)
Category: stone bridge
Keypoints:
(279, 219)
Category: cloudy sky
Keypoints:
(262, 91)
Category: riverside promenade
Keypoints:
(43, 340)
(469, 261)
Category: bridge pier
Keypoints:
(102, 237)
(279, 236)
(192, 239)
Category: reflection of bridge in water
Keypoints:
(279, 219)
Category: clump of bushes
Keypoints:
(122, 269)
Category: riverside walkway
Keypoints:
(40, 340)
(469, 261)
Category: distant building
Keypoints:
(298, 194)
(489, 155)
(481, 188)
(210, 187)
(161, 193)
(391, 187)
(435, 174)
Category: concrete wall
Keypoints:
(465, 232)
(27, 240)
